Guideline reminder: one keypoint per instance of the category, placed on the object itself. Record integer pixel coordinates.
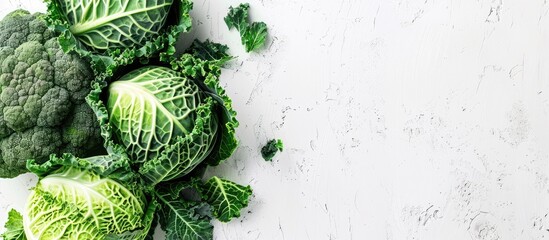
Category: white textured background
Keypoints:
(403, 119)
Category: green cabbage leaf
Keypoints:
(115, 33)
(87, 198)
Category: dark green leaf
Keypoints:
(180, 218)
(225, 197)
(255, 35)
(238, 17)
(209, 51)
(252, 35)
(271, 148)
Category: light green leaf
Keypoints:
(47, 217)
(180, 158)
(149, 225)
(79, 204)
(14, 227)
(115, 165)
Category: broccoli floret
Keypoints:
(271, 148)
(42, 99)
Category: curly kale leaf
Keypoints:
(252, 35)
(271, 148)
(183, 216)
(202, 63)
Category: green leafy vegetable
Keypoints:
(164, 120)
(226, 198)
(210, 52)
(203, 65)
(42, 96)
(255, 36)
(14, 227)
(116, 33)
(111, 24)
(271, 148)
(182, 218)
(252, 35)
(174, 120)
(238, 17)
(77, 199)
(170, 119)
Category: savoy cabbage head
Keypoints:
(81, 205)
(84, 198)
(174, 119)
(162, 117)
(110, 24)
(114, 32)
(170, 117)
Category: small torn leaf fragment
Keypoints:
(255, 36)
(271, 148)
(252, 35)
(14, 227)
(238, 17)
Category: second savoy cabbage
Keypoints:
(72, 203)
(83, 198)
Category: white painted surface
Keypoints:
(402, 119)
